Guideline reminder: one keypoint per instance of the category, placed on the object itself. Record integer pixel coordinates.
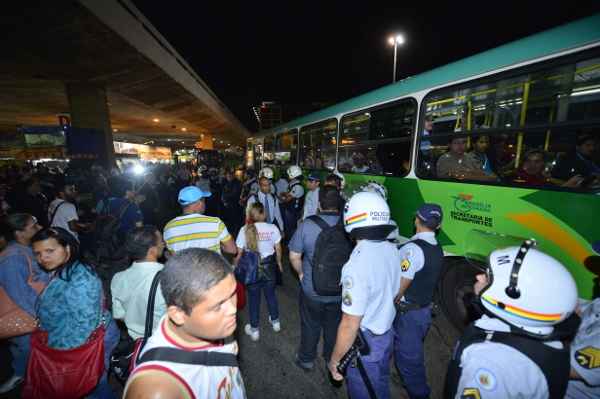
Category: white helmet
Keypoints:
(294, 171)
(374, 187)
(342, 179)
(266, 172)
(529, 289)
(366, 209)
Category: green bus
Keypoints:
(506, 141)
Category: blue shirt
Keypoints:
(70, 310)
(14, 273)
(303, 242)
(131, 214)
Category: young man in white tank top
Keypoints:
(199, 290)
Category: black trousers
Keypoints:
(315, 317)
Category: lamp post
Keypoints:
(395, 41)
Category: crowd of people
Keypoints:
(84, 253)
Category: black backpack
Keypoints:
(332, 250)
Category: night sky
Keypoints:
(308, 52)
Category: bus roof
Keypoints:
(572, 35)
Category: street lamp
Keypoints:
(395, 41)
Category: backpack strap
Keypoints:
(149, 313)
(199, 358)
(318, 221)
(56, 210)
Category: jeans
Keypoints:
(111, 339)
(377, 367)
(314, 317)
(19, 349)
(410, 330)
(253, 292)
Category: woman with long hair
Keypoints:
(73, 305)
(265, 239)
(22, 279)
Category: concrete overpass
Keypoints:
(108, 68)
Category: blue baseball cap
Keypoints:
(190, 194)
(313, 176)
(596, 247)
(431, 215)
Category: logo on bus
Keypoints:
(465, 203)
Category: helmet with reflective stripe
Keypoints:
(376, 188)
(366, 209)
(529, 289)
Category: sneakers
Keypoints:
(10, 384)
(305, 366)
(252, 332)
(275, 324)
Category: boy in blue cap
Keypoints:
(421, 263)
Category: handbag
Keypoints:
(64, 373)
(123, 361)
(15, 321)
(246, 271)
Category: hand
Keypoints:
(300, 276)
(333, 370)
(397, 299)
(280, 267)
(574, 181)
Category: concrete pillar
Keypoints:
(89, 110)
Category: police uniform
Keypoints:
(585, 354)
(420, 261)
(491, 370)
(370, 281)
(293, 209)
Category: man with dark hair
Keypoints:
(63, 213)
(122, 206)
(30, 199)
(580, 162)
(316, 312)
(458, 164)
(200, 292)
(130, 288)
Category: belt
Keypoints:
(404, 307)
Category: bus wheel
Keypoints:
(456, 291)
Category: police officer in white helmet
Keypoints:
(268, 173)
(514, 350)
(370, 280)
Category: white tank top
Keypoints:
(197, 382)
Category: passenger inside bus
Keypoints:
(533, 172)
(580, 162)
(481, 146)
(457, 164)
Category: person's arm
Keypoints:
(296, 262)
(278, 217)
(236, 259)
(154, 384)
(14, 272)
(404, 284)
(279, 256)
(228, 246)
(346, 335)
(118, 311)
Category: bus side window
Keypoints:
(317, 145)
(378, 141)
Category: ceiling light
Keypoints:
(184, 129)
(155, 120)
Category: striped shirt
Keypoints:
(195, 231)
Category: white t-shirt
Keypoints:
(268, 237)
(65, 213)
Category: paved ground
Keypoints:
(268, 368)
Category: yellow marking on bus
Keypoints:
(552, 232)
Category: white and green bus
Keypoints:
(528, 116)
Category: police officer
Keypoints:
(293, 200)
(370, 280)
(268, 173)
(420, 263)
(512, 350)
(249, 187)
(585, 352)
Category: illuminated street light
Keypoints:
(184, 129)
(395, 41)
(155, 120)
